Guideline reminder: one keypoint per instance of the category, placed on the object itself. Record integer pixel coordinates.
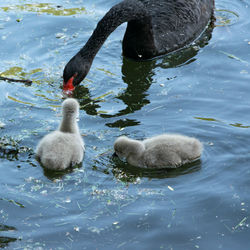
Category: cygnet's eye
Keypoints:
(70, 110)
(118, 151)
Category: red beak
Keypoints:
(68, 86)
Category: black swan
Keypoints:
(162, 151)
(155, 27)
(65, 147)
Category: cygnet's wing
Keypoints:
(161, 156)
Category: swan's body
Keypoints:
(155, 27)
(162, 151)
(63, 148)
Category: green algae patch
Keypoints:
(10, 148)
(107, 72)
(20, 101)
(45, 8)
(239, 125)
(225, 17)
(13, 71)
(207, 119)
(19, 72)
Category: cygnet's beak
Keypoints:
(115, 154)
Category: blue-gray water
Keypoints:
(202, 91)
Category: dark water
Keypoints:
(202, 91)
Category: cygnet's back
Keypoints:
(171, 150)
(65, 147)
(162, 151)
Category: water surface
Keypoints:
(201, 91)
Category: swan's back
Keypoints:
(171, 15)
(175, 23)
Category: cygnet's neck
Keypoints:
(126, 11)
(136, 155)
(69, 124)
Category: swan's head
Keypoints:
(124, 147)
(70, 107)
(74, 72)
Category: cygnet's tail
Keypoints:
(197, 150)
(53, 163)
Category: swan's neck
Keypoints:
(69, 125)
(126, 11)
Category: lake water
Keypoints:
(201, 91)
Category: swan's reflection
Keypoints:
(87, 103)
(138, 75)
(4, 240)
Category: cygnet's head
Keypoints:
(70, 107)
(124, 147)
